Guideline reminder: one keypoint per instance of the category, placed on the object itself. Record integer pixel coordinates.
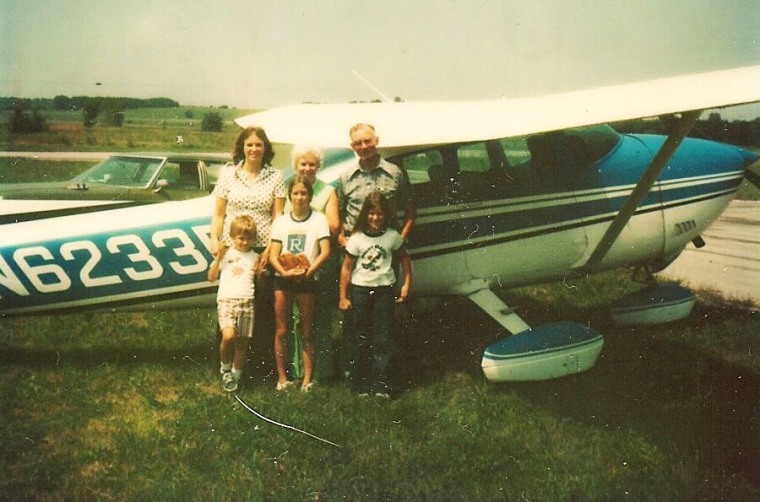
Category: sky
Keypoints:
(258, 54)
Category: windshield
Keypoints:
(597, 140)
(122, 171)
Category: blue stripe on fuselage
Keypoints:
(700, 171)
(122, 266)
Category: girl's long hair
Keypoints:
(301, 179)
(374, 201)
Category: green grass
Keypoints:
(150, 116)
(129, 406)
(129, 138)
(149, 129)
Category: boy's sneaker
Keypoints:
(228, 382)
(381, 390)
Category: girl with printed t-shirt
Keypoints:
(369, 302)
(300, 246)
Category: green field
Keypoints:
(148, 129)
(129, 407)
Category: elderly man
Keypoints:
(372, 173)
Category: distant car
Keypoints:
(124, 179)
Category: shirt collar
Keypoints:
(265, 170)
(380, 165)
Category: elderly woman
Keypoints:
(254, 188)
(306, 161)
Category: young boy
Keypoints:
(235, 267)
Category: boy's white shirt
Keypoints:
(236, 273)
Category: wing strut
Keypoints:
(498, 310)
(679, 132)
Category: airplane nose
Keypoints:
(749, 159)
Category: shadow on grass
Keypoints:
(87, 358)
(673, 394)
(646, 380)
(259, 365)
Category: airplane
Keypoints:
(509, 192)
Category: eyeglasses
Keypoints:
(362, 142)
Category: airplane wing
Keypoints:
(430, 123)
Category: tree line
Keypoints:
(27, 114)
(66, 103)
(714, 127)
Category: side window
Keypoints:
(170, 173)
(427, 174)
(520, 174)
(418, 164)
(455, 174)
(516, 150)
(473, 158)
(181, 175)
(481, 172)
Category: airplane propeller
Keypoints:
(752, 177)
(750, 159)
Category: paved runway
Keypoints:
(730, 262)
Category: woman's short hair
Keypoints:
(299, 151)
(238, 154)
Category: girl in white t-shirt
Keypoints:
(300, 246)
(369, 301)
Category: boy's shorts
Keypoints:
(236, 313)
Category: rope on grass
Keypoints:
(285, 426)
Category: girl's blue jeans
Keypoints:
(368, 337)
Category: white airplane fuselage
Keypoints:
(502, 231)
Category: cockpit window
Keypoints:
(597, 141)
(557, 154)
